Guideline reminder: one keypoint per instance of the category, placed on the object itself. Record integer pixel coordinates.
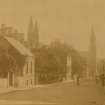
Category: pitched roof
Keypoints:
(18, 46)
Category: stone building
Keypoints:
(21, 73)
(33, 35)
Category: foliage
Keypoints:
(6, 64)
(79, 64)
(51, 62)
(11, 61)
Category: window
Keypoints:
(31, 68)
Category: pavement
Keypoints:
(14, 102)
(67, 93)
(4, 90)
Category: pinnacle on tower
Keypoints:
(30, 26)
(33, 37)
(30, 32)
(36, 33)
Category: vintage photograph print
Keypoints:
(52, 52)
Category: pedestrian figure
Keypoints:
(78, 80)
(102, 79)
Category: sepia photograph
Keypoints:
(52, 52)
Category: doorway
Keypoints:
(10, 79)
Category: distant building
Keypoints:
(92, 55)
(33, 35)
(23, 73)
(84, 54)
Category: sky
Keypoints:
(67, 20)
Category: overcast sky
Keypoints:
(67, 20)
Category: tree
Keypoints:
(45, 64)
(51, 61)
(62, 50)
(7, 64)
(79, 64)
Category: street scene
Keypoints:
(57, 94)
(52, 52)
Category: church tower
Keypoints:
(32, 37)
(36, 36)
(30, 33)
(92, 55)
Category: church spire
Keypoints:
(33, 34)
(92, 54)
(30, 32)
(93, 41)
(30, 26)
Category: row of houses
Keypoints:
(21, 70)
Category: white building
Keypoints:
(69, 68)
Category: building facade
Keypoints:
(21, 72)
(69, 68)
